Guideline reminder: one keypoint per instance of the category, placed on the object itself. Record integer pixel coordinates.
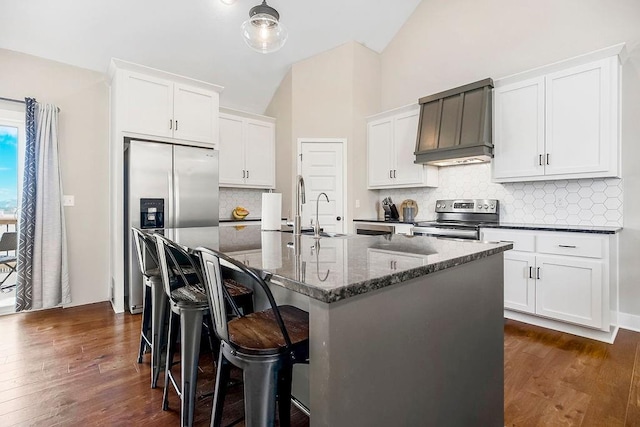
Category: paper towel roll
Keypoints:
(271, 250)
(271, 211)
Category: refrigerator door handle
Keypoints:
(169, 223)
(176, 198)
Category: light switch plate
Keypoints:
(68, 200)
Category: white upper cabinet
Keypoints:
(247, 150)
(559, 125)
(391, 143)
(159, 104)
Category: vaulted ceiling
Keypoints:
(195, 38)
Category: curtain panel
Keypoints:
(43, 279)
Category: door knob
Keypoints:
(339, 218)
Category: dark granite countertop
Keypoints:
(523, 226)
(333, 269)
(555, 227)
(397, 221)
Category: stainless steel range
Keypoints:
(459, 218)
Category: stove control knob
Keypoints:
(493, 206)
(438, 206)
(486, 206)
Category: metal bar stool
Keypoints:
(154, 312)
(8, 243)
(189, 306)
(264, 344)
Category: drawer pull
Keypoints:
(530, 272)
(506, 241)
(568, 246)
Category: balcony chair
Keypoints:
(189, 306)
(264, 344)
(8, 243)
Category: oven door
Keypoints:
(452, 232)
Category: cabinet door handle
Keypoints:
(530, 272)
(394, 173)
(537, 272)
(170, 124)
(247, 174)
(506, 241)
(539, 159)
(547, 158)
(176, 125)
(243, 174)
(390, 173)
(567, 246)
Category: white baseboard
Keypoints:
(594, 334)
(629, 321)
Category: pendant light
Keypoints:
(263, 31)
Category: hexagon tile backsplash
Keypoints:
(248, 198)
(596, 202)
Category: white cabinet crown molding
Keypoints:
(119, 64)
(246, 114)
(618, 49)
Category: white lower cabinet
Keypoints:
(570, 290)
(562, 276)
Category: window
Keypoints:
(12, 138)
(8, 170)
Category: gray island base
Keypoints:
(404, 331)
(426, 352)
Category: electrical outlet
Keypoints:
(357, 203)
(68, 200)
(561, 202)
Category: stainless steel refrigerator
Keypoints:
(165, 186)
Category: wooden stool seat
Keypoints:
(235, 289)
(259, 333)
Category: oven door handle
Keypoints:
(449, 232)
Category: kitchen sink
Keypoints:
(309, 232)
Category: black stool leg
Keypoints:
(145, 328)
(222, 380)
(190, 332)
(284, 395)
(174, 324)
(159, 314)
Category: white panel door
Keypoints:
(519, 282)
(380, 152)
(519, 130)
(578, 119)
(405, 131)
(259, 154)
(322, 169)
(195, 113)
(148, 105)
(569, 290)
(232, 171)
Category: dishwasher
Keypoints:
(374, 229)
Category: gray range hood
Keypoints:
(455, 126)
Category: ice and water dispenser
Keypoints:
(151, 213)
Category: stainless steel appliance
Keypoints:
(165, 186)
(460, 218)
(373, 229)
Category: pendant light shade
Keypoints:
(263, 31)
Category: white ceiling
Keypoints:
(195, 38)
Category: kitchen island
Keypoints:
(403, 330)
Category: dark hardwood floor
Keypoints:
(77, 366)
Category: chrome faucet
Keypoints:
(316, 225)
(297, 221)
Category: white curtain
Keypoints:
(44, 246)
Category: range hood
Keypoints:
(455, 126)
